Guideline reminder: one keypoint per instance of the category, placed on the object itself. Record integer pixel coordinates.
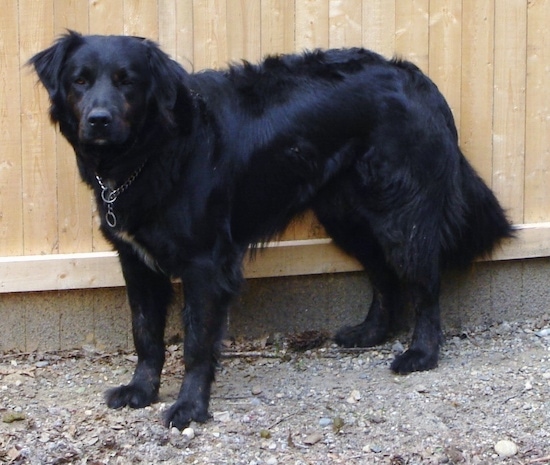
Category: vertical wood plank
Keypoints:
(379, 26)
(312, 24)
(184, 38)
(412, 32)
(168, 26)
(176, 30)
(38, 143)
(278, 26)
(74, 198)
(70, 14)
(243, 31)
(509, 105)
(445, 36)
(345, 27)
(476, 107)
(537, 149)
(210, 33)
(11, 206)
(141, 19)
(106, 16)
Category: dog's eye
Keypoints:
(80, 81)
(122, 79)
(125, 82)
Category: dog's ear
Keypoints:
(168, 82)
(49, 62)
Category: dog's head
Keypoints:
(103, 89)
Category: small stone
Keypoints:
(421, 389)
(13, 417)
(454, 454)
(313, 438)
(42, 364)
(506, 448)
(543, 332)
(256, 390)
(376, 448)
(337, 424)
(354, 397)
(188, 433)
(325, 422)
(222, 417)
(397, 348)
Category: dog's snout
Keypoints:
(100, 118)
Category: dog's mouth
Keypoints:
(115, 134)
(98, 141)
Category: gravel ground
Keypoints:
(274, 405)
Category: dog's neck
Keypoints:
(110, 193)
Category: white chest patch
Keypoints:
(141, 251)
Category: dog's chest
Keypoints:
(144, 254)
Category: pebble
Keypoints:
(397, 348)
(506, 448)
(222, 417)
(325, 422)
(354, 397)
(543, 332)
(188, 433)
(42, 364)
(256, 390)
(313, 438)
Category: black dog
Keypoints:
(189, 170)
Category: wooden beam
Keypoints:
(288, 258)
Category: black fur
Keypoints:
(225, 159)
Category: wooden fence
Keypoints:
(491, 59)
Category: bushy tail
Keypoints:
(484, 223)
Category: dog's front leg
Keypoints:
(204, 317)
(149, 294)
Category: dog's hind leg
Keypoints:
(423, 352)
(404, 271)
(387, 303)
(149, 294)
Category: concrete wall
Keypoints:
(489, 292)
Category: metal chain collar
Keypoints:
(109, 195)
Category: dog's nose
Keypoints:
(100, 118)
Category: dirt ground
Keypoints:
(274, 405)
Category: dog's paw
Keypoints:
(360, 336)
(180, 414)
(414, 360)
(130, 395)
